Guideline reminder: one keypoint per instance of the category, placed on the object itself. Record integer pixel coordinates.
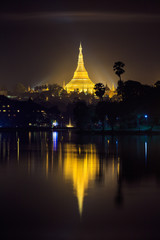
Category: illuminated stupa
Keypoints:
(81, 81)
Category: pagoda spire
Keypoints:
(80, 57)
(80, 47)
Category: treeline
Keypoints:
(137, 107)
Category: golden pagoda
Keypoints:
(81, 81)
(112, 92)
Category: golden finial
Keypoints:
(80, 47)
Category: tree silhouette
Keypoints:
(157, 84)
(19, 88)
(120, 88)
(118, 69)
(55, 89)
(81, 114)
(99, 90)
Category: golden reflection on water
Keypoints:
(81, 166)
(46, 162)
(79, 163)
(118, 167)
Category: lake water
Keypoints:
(63, 185)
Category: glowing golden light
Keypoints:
(69, 125)
(118, 167)
(81, 165)
(81, 81)
(112, 92)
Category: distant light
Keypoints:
(146, 116)
(55, 124)
(70, 124)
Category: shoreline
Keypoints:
(78, 131)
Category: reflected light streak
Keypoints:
(47, 163)
(29, 166)
(145, 150)
(81, 168)
(18, 149)
(60, 155)
(52, 159)
(29, 137)
(46, 160)
(118, 167)
(4, 150)
(8, 150)
(113, 166)
(55, 140)
(70, 135)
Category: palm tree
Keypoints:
(99, 90)
(118, 69)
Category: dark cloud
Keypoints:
(136, 6)
(81, 16)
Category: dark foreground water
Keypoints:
(57, 185)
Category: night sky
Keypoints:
(39, 40)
